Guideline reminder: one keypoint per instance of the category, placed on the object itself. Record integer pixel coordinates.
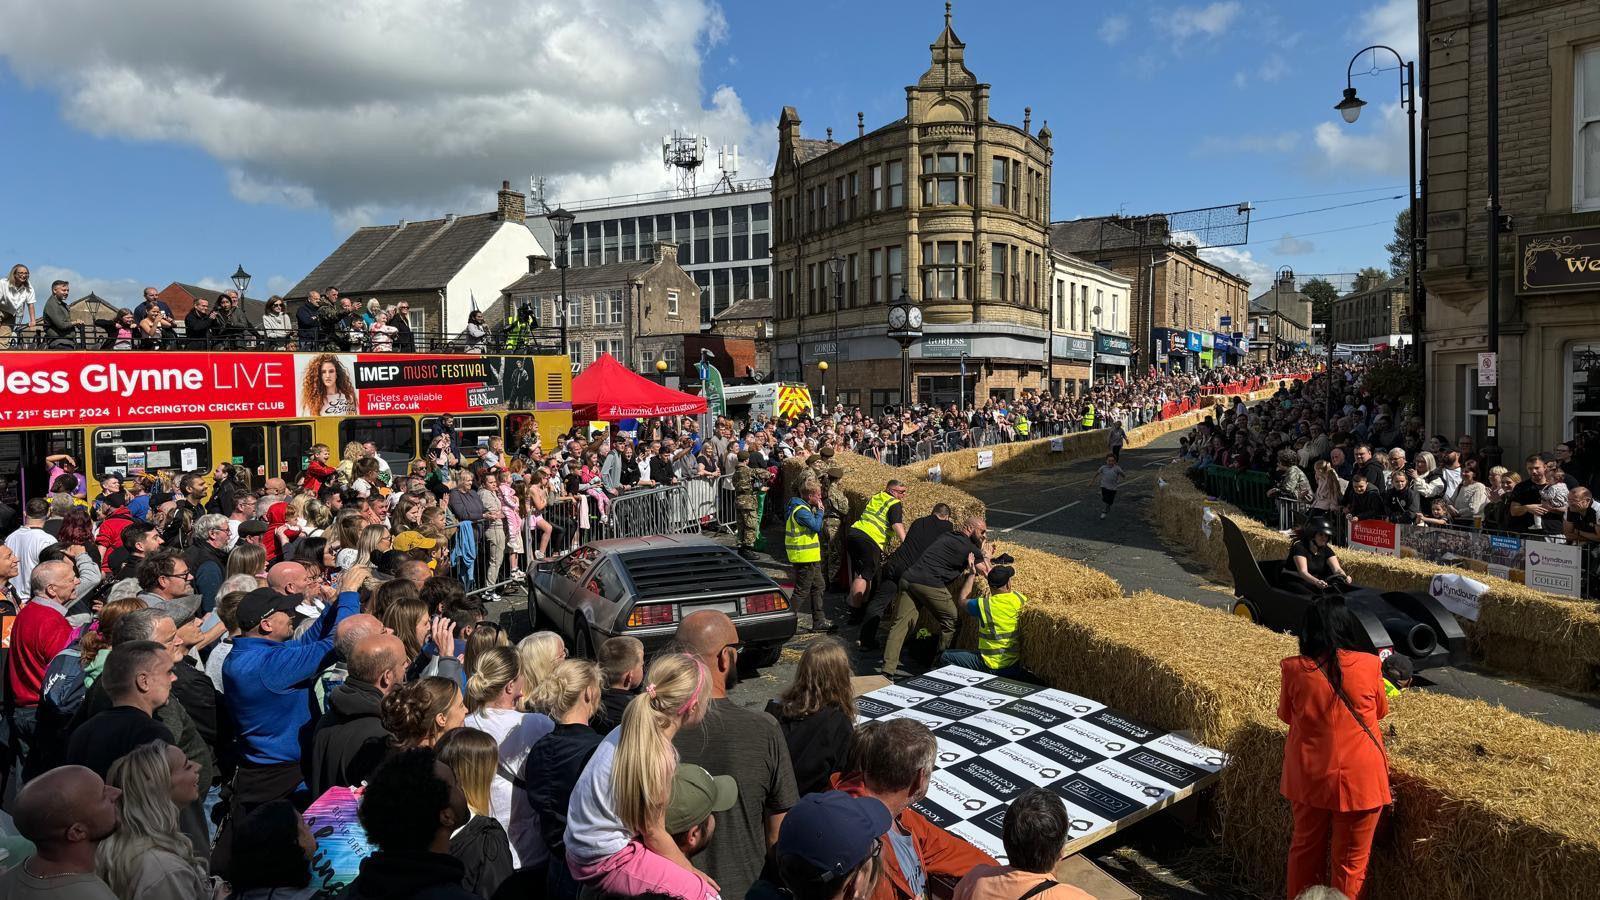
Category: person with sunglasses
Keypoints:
(276, 326)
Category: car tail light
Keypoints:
(765, 603)
(652, 614)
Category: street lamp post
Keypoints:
(905, 326)
(1350, 109)
(561, 226)
(241, 280)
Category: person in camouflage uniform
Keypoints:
(836, 505)
(748, 486)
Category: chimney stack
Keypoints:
(861, 124)
(512, 206)
(1027, 120)
(667, 251)
(538, 262)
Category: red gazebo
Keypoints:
(607, 391)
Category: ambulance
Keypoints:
(778, 400)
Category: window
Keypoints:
(154, 448)
(664, 228)
(396, 436)
(1115, 316)
(897, 276)
(616, 306)
(1016, 186)
(702, 236)
(758, 282)
(630, 240)
(671, 356)
(838, 200)
(1586, 130)
(811, 209)
(1016, 276)
(875, 185)
(607, 583)
(1059, 313)
(897, 184)
(998, 174)
(1099, 306)
(1582, 388)
(720, 298)
(741, 284)
(811, 289)
(594, 244)
(1072, 304)
(719, 235)
(741, 232)
(946, 179)
(760, 230)
(998, 255)
(822, 206)
(853, 276)
(672, 303)
(611, 245)
(854, 192)
(945, 265)
(577, 247)
(702, 279)
(788, 293)
(680, 222)
(881, 399)
(647, 237)
(875, 266)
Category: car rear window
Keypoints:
(708, 571)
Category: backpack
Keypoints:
(60, 695)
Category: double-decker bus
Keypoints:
(128, 412)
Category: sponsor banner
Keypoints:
(1556, 568)
(1010, 736)
(985, 459)
(936, 474)
(1057, 444)
(38, 388)
(1457, 593)
(870, 708)
(1374, 536)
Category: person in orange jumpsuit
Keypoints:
(1335, 770)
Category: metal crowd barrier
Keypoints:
(87, 337)
(1246, 490)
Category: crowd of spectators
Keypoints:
(1368, 457)
(326, 321)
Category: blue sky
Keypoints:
(165, 144)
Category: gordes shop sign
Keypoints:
(1556, 261)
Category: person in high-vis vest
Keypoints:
(1088, 415)
(1022, 426)
(802, 541)
(867, 540)
(999, 642)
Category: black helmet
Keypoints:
(1320, 526)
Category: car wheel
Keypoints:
(582, 640)
(1244, 609)
(759, 658)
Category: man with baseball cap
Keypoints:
(828, 848)
(697, 796)
(999, 642)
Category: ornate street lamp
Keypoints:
(561, 226)
(905, 326)
(241, 279)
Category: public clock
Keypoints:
(914, 317)
(897, 317)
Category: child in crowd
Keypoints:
(622, 661)
(616, 837)
(1396, 674)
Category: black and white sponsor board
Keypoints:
(999, 737)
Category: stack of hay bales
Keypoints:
(1489, 804)
(1519, 630)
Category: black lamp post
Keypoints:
(905, 326)
(241, 280)
(561, 226)
(1350, 109)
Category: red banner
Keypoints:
(41, 389)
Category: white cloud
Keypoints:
(119, 290)
(1282, 142)
(1380, 150)
(1114, 29)
(1393, 23)
(1289, 245)
(1210, 21)
(1273, 68)
(1240, 262)
(378, 108)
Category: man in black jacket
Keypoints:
(201, 326)
(919, 537)
(410, 808)
(350, 740)
(308, 332)
(59, 332)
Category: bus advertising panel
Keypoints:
(44, 389)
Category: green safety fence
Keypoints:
(1246, 490)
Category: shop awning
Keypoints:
(605, 390)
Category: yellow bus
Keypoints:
(130, 412)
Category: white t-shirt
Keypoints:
(594, 831)
(516, 733)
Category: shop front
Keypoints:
(1171, 349)
(1208, 359)
(1225, 351)
(1111, 355)
(1072, 358)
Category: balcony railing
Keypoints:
(535, 341)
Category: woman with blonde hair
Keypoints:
(326, 389)
(353, 451)
(538, 652)
(374, 539)
(572, 695)
(148, 857)
(616, 835)
(481, 844)
(818, 715)
(417, 713)
(247, 559)
(494, 689)
(1329, 489)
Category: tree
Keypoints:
(1372, 276)
(1400, 248)
(1321, 293)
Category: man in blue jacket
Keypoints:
(802, 542)
(267, 684)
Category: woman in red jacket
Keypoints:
(1335, 770)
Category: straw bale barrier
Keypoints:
(1520, 630)
(1489, 804)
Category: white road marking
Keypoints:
(1026, 522)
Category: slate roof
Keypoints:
(580, 277)
(1089, 236)
(413, 256)
(754, 308)
(807, 149)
